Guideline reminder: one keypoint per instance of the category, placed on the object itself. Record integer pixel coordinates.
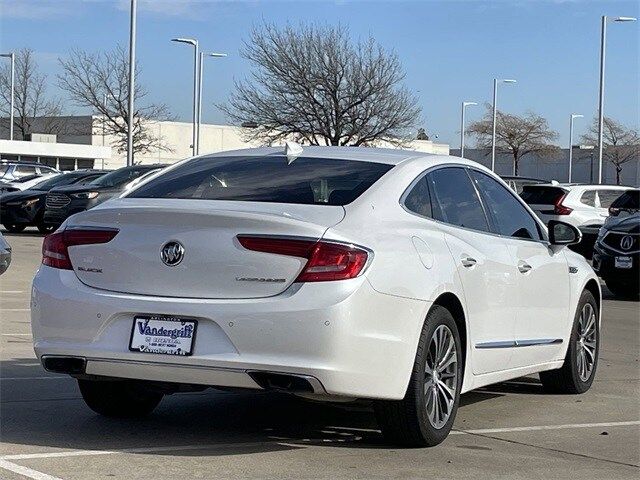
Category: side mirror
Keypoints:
(561, 233)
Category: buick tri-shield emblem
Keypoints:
(172, 253)
(626, 243)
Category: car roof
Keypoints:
(390, 156)
(594, 186)
(516, 177)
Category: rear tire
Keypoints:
(44, 228)
(579, 369)
(119, 398)
(13, 228)
(416, 421)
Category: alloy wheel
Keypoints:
(441, 376)
(586, 342)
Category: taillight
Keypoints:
(55, 246)
(325, 260)
(560, 209)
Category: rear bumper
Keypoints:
(355, 341)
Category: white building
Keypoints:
(82, 139)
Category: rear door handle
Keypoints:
(524, 267)
(468, 261)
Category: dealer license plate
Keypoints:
(623, 262)
(163, 335)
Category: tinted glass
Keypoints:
(455, 200)
(267, 179)
(63, 179)
(629, 199)
(508, 214)
(536, 195)
(418, 199)
(120, 177)
(589, 198)
(607, 197)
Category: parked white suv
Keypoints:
(586, 207)
(579, 205)
(329, 272)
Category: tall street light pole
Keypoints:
(496, 81)
(462, 127)
(12, 58)
(132, 80)
(573, 117)
(199, 112)
(194, 135)
(603, 47)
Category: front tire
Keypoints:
(14, 228)
(579, 369)
(119, 398)
(424, 417)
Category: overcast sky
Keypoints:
(451, 50)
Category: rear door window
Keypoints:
(589, 198)
(455, 199)
(539, 195)
(310, 181)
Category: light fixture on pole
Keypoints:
(12, 58)
(194, 135)
(199, 111)
(496, 81)
(573, 117)
(462, 128)
(603, 46)
(132, 81)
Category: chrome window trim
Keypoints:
(543, 241)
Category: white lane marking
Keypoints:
(16, 309)
(169, 448)
(16, 334)
(12, 291)
(82, 453)
(536, 428)
(25, 471)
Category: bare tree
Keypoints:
(314, 84)
(620, 144)
(100, 82)
(516, 135)
(33, 108)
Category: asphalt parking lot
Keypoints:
(512, 430)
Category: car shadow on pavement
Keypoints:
(42, 410)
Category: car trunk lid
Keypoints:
(213, 264)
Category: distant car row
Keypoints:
(49, 201)
(609, 219)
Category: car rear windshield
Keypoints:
(629, 199)
(538, 195)
(307, 181)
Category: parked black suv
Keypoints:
(21, 209)
(616, 255)
(63, 202)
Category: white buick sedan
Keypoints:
(328, 272)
